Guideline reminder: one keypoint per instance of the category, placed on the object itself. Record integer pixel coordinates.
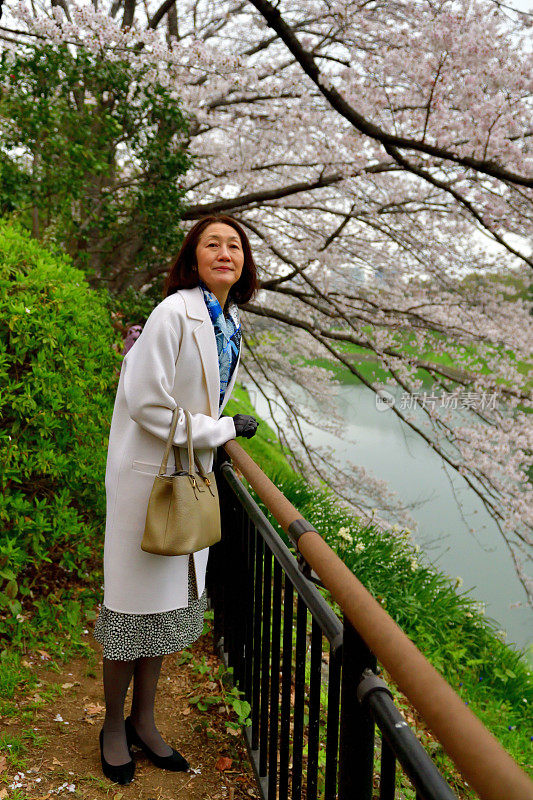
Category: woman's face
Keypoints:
(220, 258)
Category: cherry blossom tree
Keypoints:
(377, 153)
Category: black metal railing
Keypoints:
(310, 679)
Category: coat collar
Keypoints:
(194, 303)
(205, 339)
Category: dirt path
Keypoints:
(66, 762)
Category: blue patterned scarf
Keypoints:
(227, 335)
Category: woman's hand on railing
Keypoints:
(245, 425)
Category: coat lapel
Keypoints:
(205, 339)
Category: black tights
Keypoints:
(117, 678)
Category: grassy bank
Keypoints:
(368, 364)
(448, 626)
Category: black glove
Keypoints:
(245, 425)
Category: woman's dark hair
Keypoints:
(182, 274)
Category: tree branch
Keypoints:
(400, 159)
(129, 13)
(193, 212)
(160, 13)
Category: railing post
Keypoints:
(273, 746)
(217, 554)
(356, 755)
(424, 775)
(256, 660)
(286, 676)
(265, 662)
(299, 698)
(332, 733)
(251, 536)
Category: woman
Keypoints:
(187, 355)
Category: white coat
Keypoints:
(174, 362)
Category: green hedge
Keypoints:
(58, 372)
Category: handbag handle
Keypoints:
(190, 450)
(193, 458)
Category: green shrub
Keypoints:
(57, 385)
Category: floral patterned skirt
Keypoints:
(125, 637)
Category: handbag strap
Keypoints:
(173, 424)
(193, 458)
(169, 444)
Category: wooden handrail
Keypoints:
(479, 757)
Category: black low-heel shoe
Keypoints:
(174, 762)
(123, 773)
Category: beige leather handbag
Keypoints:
(183, 511)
